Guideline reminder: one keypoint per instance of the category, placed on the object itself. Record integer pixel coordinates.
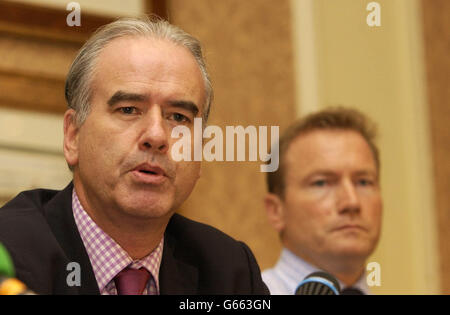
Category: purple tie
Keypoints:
(131, 281)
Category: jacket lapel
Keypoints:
(177, 275)
(60, 218)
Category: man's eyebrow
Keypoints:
(373, 173)
(325, 172)
(121, 96)
(188, 105)
(321, 172)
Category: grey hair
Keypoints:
(79, 79)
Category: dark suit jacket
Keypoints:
(38, 229)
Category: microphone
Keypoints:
(318, 283)
(8, 284)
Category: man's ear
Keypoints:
(275, 211)
(70, 138)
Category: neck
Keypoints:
(136, 235)
(348, 270)
(349, 278)
(138, 244)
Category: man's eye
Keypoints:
(319, 183)
(364, 182)
(180, 117)
(128, 110)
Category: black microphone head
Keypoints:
(352, 291)
(318, 283)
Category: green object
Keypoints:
(6, 265)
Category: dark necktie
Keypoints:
(352, 291)
(131, 281)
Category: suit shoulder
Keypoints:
(208, 243)
(188, 229)
(28, 201)
(219, 258)
(23, 224)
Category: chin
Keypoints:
(147, 207)
(354, 249)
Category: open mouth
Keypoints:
(150, 169)
(148, 172)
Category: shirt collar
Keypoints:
(292, 270)
(107, 257)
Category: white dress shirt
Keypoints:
(290, 270)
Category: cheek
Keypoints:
(374, 212)
(88, 143)
(310, 218)
(187, 174)
(304, 216)
(313, 207)
(99, 151)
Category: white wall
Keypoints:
(31, 152)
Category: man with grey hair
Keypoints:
(113, 230)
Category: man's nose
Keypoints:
(154, 131)
(348, 198)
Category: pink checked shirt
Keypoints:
(108, 258)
